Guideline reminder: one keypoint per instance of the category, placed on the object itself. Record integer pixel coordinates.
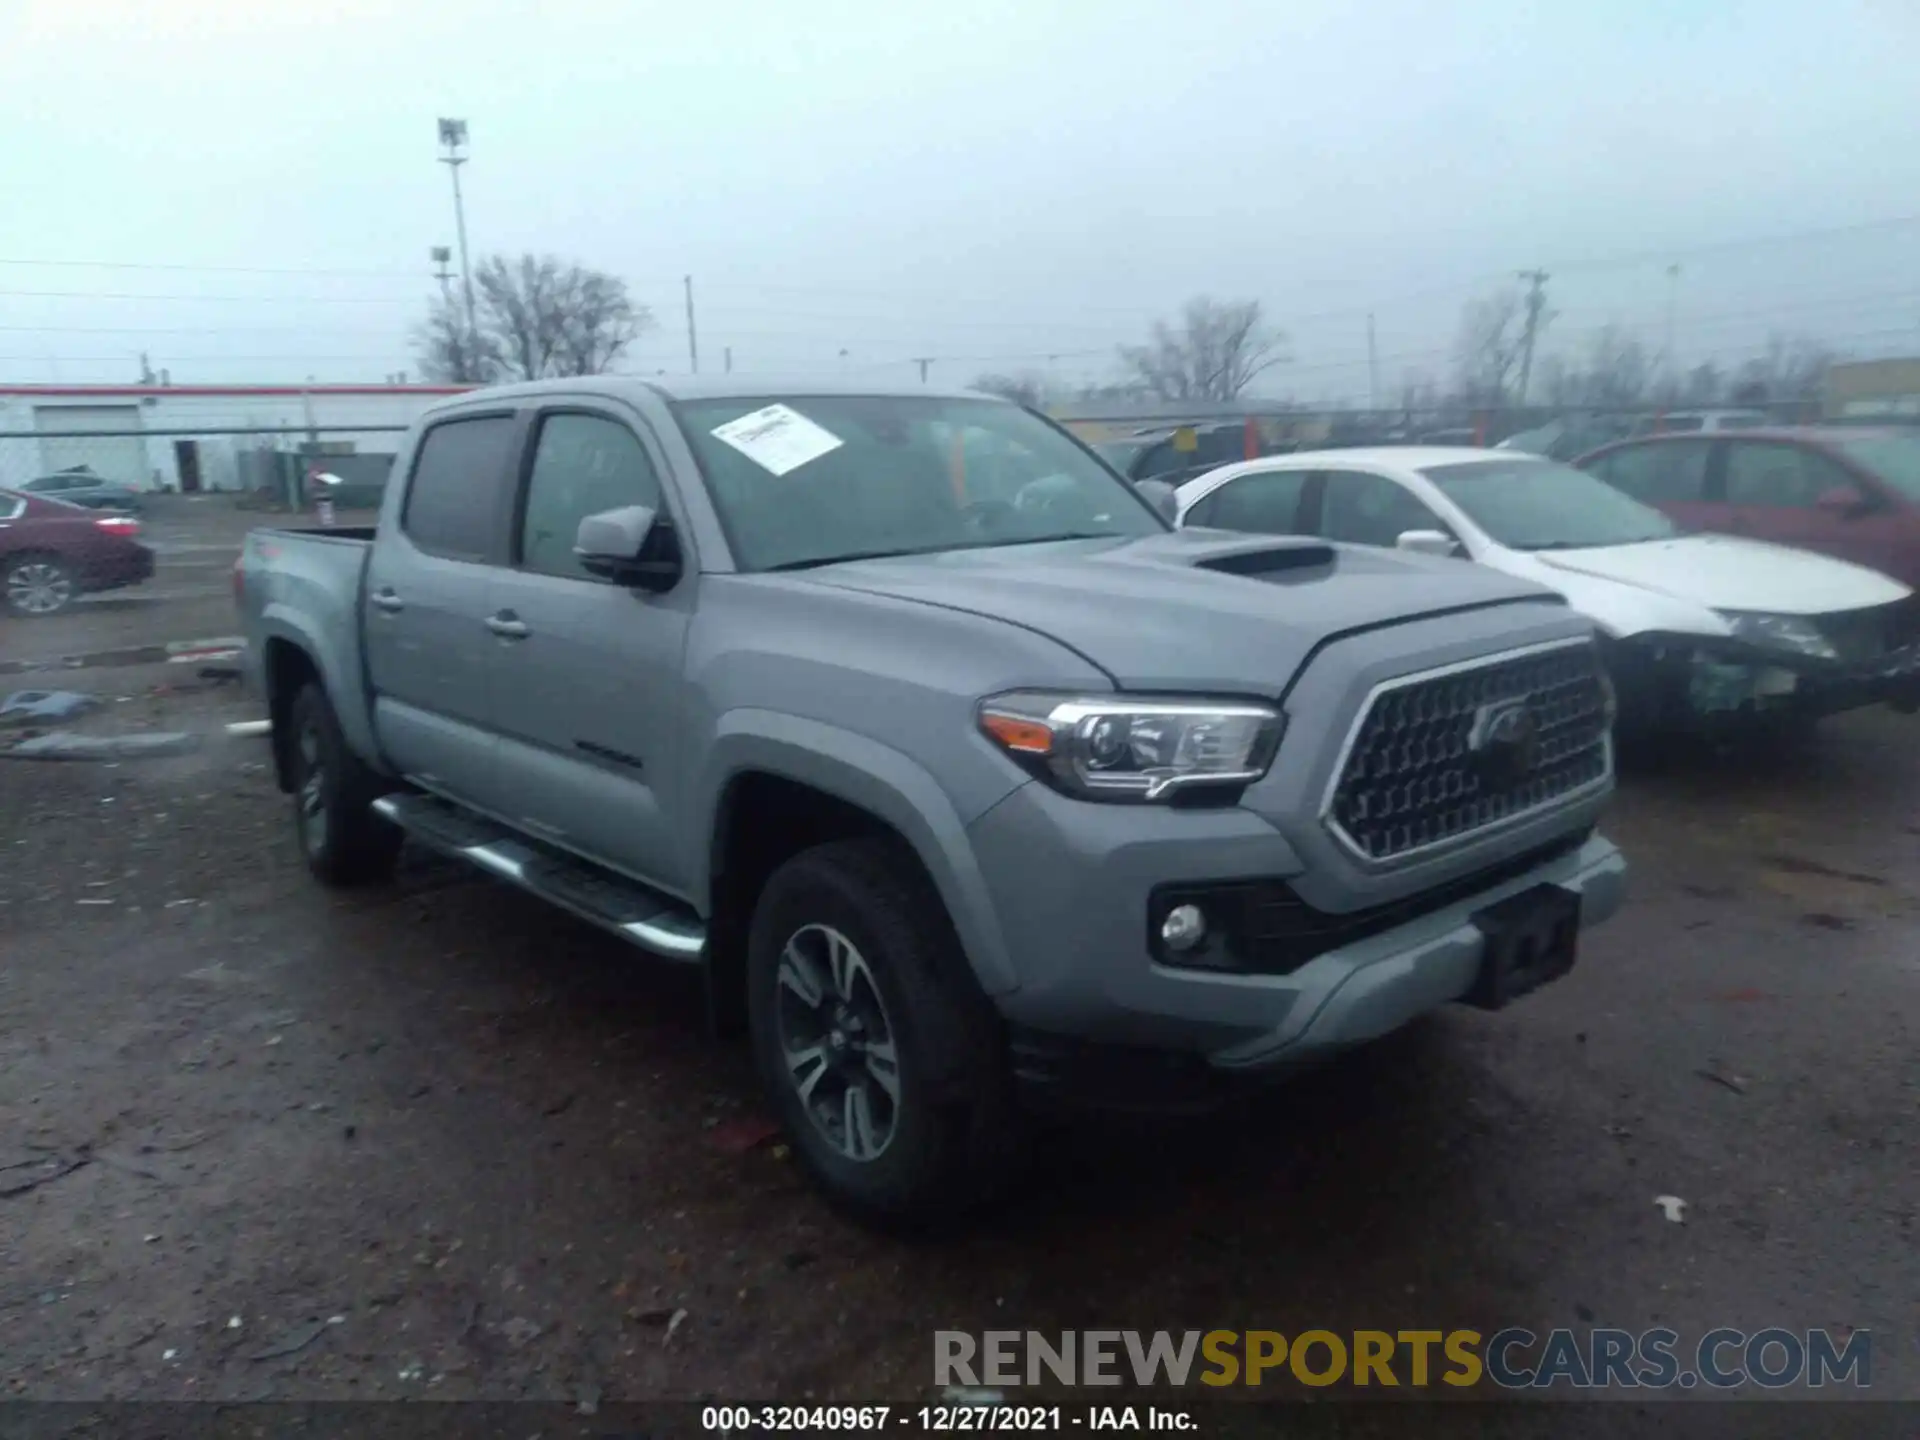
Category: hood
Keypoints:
(1188, 608)
(1726, 572)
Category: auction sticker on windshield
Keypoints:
(777, 438)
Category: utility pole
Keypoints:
(442, 257)
(1536, 303)
(923, 362)
(1673, 303)
(693, 336)
(453, 139)
(1373, 368)
(146, 370)
(727, 353)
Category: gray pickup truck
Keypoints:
(968, 782)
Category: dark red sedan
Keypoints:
(1850, 493)
(52, 552)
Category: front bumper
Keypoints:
(1096, 1012)
(1679, 682)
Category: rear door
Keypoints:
(1267, 502)
(586, 673)
(428, 596)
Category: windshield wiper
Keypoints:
(819, 560)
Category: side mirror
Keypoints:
(633, 545)
(1427, 542)
(1161, 496)
(1846, 501)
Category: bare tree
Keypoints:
(1705, 384)
(449, 353)
(1026, 388)
(538, 316)
(1793, 367)
(1493, 337)
(1215, 354)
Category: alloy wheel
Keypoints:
(837, 1042)
(38, 587)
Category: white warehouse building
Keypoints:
(192, 437)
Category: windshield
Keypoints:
(1894, 458)
(1120, 453)
(806, 480)
(1541, 505)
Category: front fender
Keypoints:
(877, 778)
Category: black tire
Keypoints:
(340, 837)
(951, 1133)
(36, 584)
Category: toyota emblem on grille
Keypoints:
(1504, 741)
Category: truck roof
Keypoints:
(721, 387)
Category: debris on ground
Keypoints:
(1673, 1207)
(50, 1169)
(67, 745)
(1719, 1077)
(519, 1331)
(736, 1137)
(294, 1341)
(249, 729)
(679, 1319)
(36, 707)
(1824, 920)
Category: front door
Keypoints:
(425, 610)
(1775, 488)
(586, 674)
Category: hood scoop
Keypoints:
(1268, 560)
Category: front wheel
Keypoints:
(341, 838)
(38, 585)
(878, 1050)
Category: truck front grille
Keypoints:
(1437, 758)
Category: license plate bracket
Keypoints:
(1528, 939)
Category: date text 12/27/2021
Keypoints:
(778, 1419)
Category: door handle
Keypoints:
(508, 626)
(387, 599)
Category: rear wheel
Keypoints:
(341, 838)
(877, 1048)
(38, 584)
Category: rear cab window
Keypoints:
(460, 475)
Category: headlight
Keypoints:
(1795, 633)
(1113, 748)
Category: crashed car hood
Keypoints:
(1726, 572)
(1185, 608)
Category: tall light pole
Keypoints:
(442, 257)
(453, 140)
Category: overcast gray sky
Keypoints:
(991, 183)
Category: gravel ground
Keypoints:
(436, 1140)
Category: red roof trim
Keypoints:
(231, 391)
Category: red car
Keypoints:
(1850, 493)
(52, 552)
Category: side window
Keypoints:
(1781, 476)
(1659, 474)
(1266, 504)
(1161, 460)
(1367, 509)
(454, 496)
(582, 464)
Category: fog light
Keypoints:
(1184, 928)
